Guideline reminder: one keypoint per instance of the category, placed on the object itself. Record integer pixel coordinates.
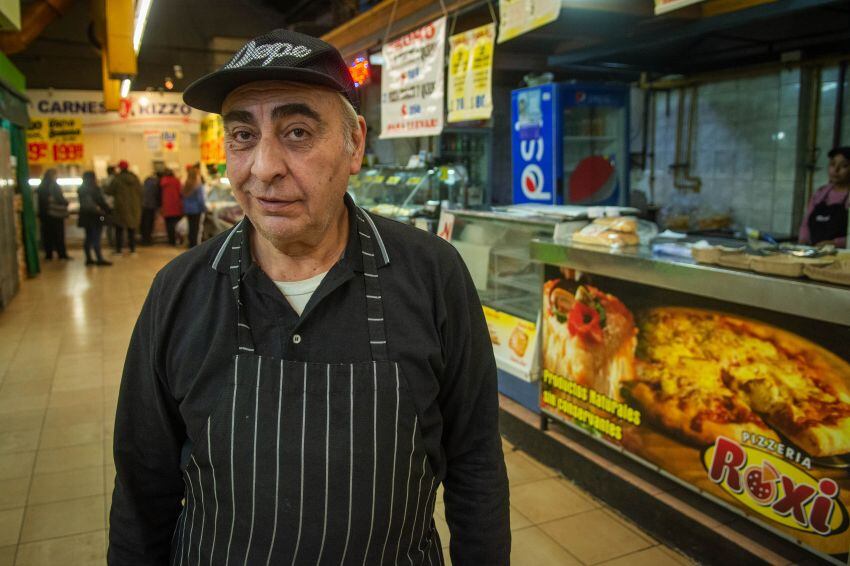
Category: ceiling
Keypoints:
(178, 32)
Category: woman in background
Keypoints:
(52, 211)
(172, 205)
(825, 221)
(193, 201)
(93, 211)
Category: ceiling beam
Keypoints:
(685, 31)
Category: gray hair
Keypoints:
(350, 124)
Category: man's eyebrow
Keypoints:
(294, 108)
(239, 116)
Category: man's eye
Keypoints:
(298, 133)
(242, 136)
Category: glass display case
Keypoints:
(471, 148)
(408, 194)
(496, 247)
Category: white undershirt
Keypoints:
(298, 293)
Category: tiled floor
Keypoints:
(62, 346)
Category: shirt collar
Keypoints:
(224, 254)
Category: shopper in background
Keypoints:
(127, 190)
(172, 204)
(93, 211)
(52, 212)
(150, 203)
(193, 201)
(305, 381)
(825, 221)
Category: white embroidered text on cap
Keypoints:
(268, 52)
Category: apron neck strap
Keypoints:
(374, 300)
(238, 250)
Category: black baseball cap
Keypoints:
(280, 55)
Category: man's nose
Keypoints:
(269, 160)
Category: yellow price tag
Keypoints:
(414, 180)
(378, 179)
(394, 180)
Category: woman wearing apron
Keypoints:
(825, 221)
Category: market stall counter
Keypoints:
(733, 383)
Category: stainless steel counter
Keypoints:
(801, 297)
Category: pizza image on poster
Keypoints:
(731, 400)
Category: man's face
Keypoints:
(839, 170)
(286, 158)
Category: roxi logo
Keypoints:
(775, 488)
(532, 180)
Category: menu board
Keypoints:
(748, 406)
(55, 140)
(412, 89)
(521, 16)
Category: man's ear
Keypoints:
(359, 136)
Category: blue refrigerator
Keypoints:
(570, 144)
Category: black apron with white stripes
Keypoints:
(310, 463)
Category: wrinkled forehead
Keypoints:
(274, 93)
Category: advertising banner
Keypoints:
(664, 6)
(471, 74)
(520, 16)
(514, 342)
(747, 406)
(55, 140)
(412, 83)
(534, 145)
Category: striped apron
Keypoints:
(310, 463)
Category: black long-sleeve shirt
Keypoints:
(436, 332)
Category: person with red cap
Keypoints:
(126, 189)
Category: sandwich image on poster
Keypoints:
(750, 407)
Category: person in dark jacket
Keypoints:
(52, 211)
(172, 205)
(150, 202)
(93, 211)
(127, 190)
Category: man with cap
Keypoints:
(298, 388)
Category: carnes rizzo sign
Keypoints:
(138, 111)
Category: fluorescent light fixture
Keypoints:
(143, 101)
(61, 181)
(140, 23)
(125, 88)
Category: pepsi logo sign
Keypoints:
(533, 183)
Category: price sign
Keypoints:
(67, 152)
(394, 180)
(37, 151)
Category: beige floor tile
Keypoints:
(51, 520)
(7, 555)
(22, 420)
(87, 549)
(81, 433)
(518, 520)
(27, 374)
(674, 555)
(74, 396)
(523, 469)
(10, 525)
(17, 389)
(654, 556)
(596, 536)
(549, 499)
(69, 458)
(23, 403)
(18, 441)
(17, 465)
(73, 484)
(532, 547)
(75, 414)
(13, 492)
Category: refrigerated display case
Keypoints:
(472, 148)
(570, 144)
(410, 195)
